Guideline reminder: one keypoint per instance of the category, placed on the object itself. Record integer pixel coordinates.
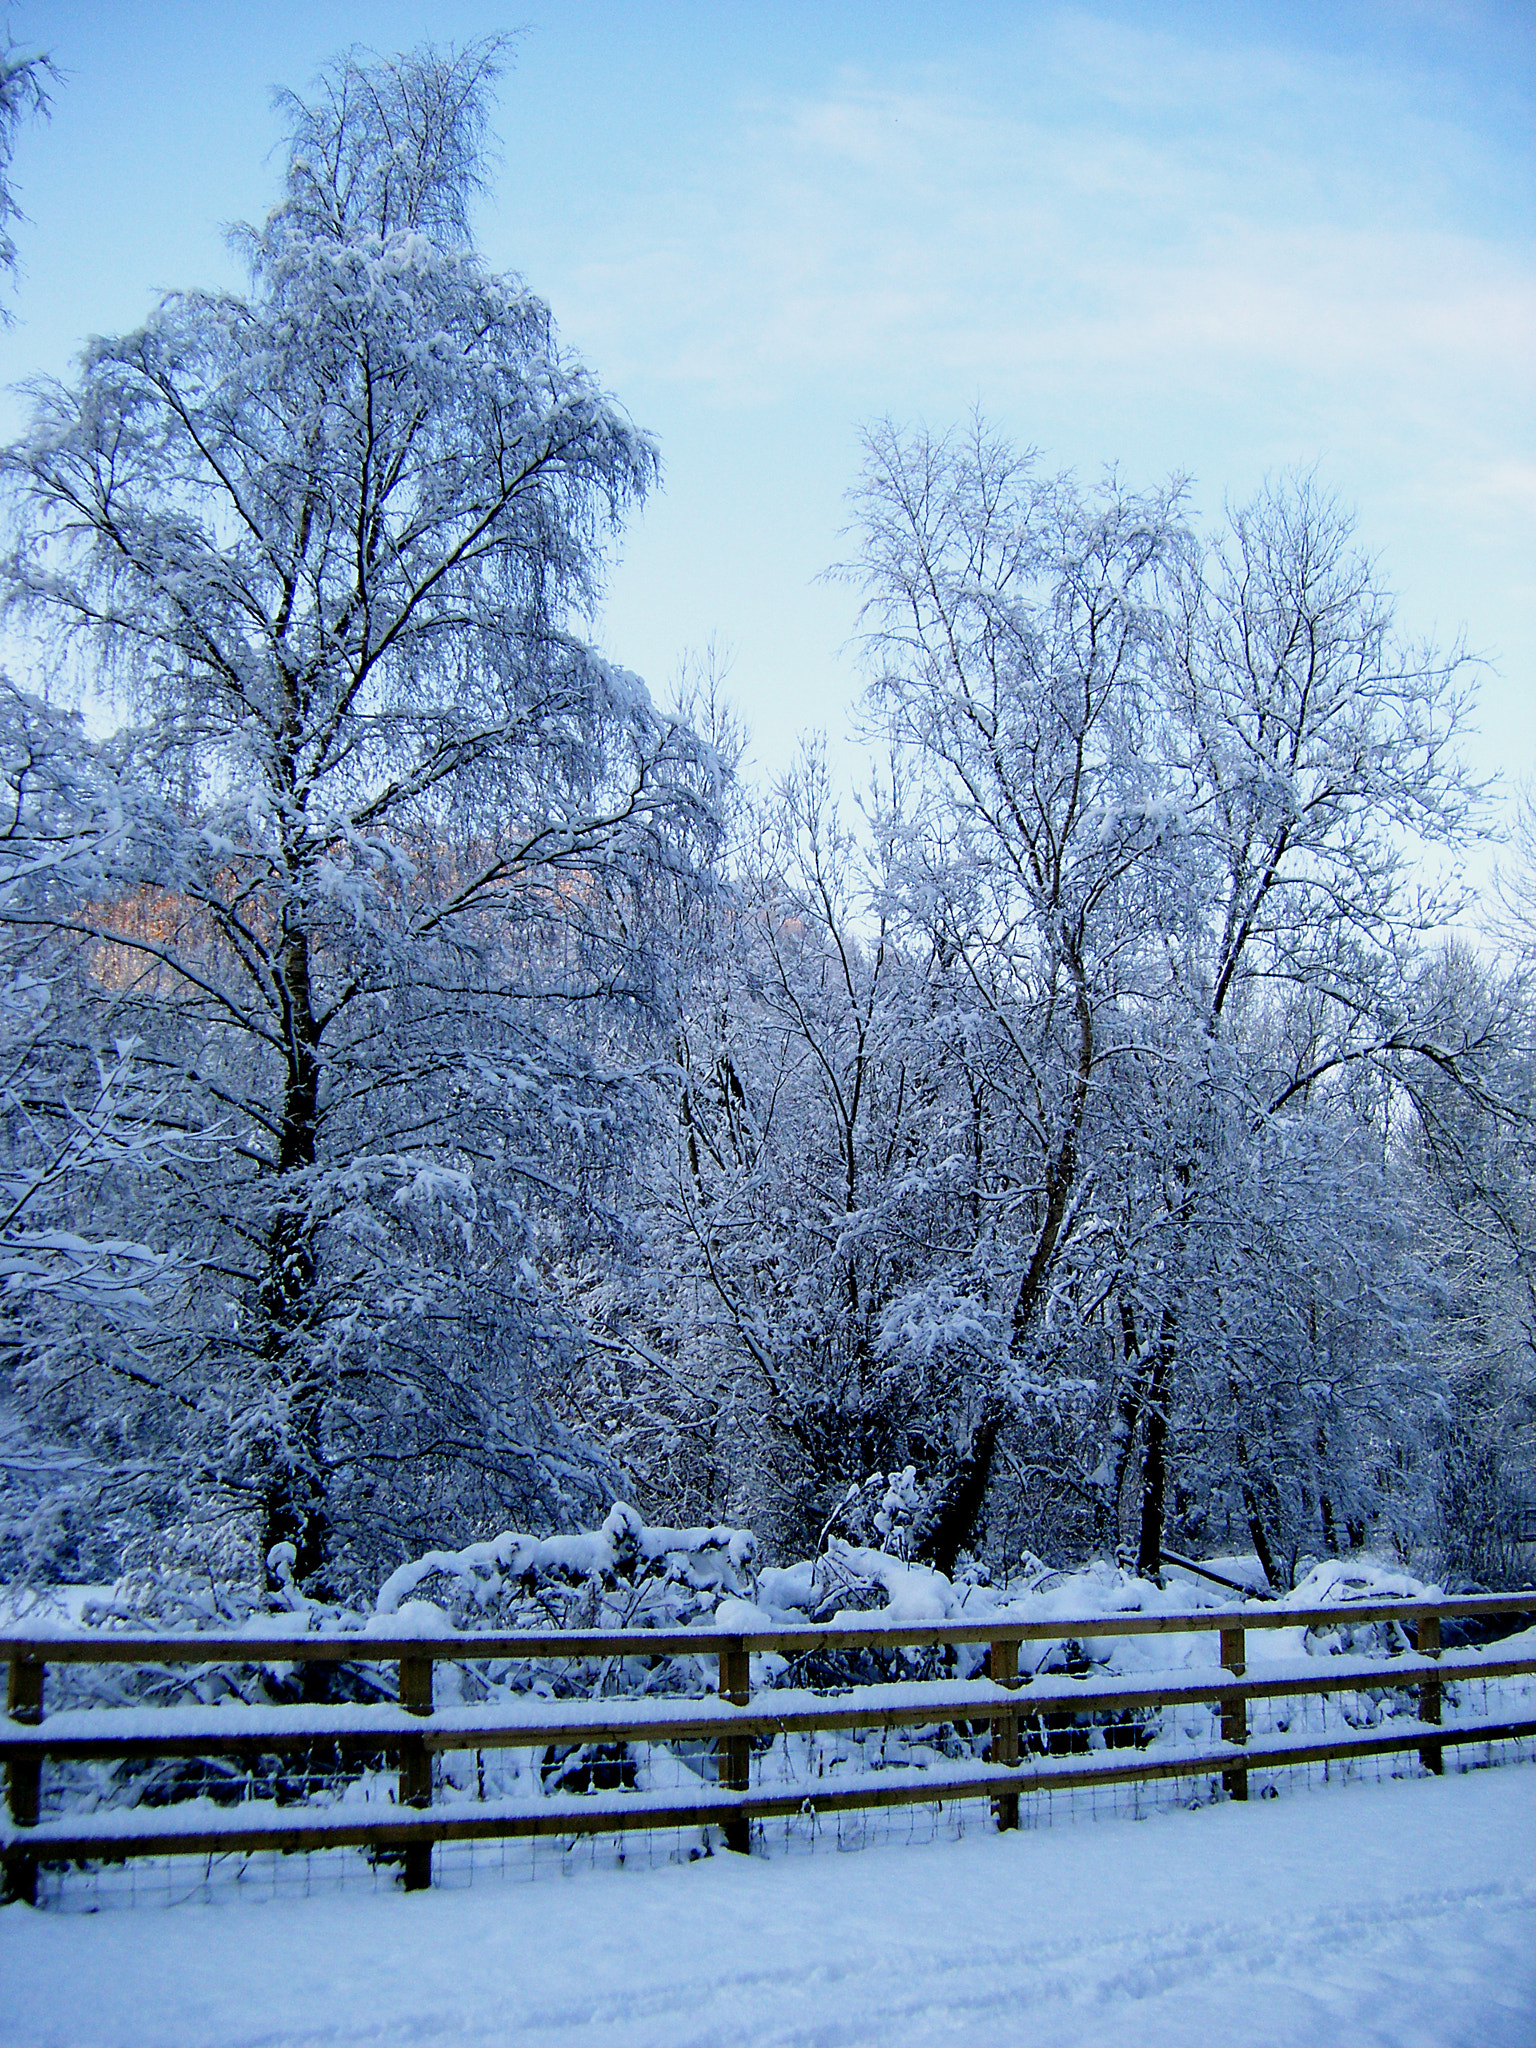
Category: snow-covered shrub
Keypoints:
(879, 1513)
(1339, 1581)
(622, 1575)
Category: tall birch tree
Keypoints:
(332, 537)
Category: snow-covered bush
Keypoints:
(622, 1575)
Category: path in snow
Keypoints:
(1392, 1916)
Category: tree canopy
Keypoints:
(439, 1092)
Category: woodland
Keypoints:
(442, 1092)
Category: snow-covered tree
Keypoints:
(1013, 637)
(1470, 1171)
(1309, 754)
(80, 1118)
(815, 1222)
(24, 76)
(389, 942)
(1164, 797)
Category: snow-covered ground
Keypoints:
(1400, 1915)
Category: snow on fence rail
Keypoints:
(718, 1737)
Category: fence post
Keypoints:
(1234, 1708)
(735, 1751)
(24, 1702)
(416, 1765)
(1427, 1641)
(1003, 1668)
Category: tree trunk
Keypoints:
(1128, 1399)
(1324, 1499)
(295, 1505)
(951, 1522)
(1260, 1535)
(1154, 1483)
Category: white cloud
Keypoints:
(1126, 245)
(879, 228)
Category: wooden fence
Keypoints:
(1029, 1719)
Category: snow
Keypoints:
(1376, 1916)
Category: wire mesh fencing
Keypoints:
(351, 1780)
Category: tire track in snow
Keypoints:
(938, 1995)
(1090, 1971)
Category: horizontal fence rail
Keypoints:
(1023, 1720)
(110, 1646)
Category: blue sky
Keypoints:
(1220, 239)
